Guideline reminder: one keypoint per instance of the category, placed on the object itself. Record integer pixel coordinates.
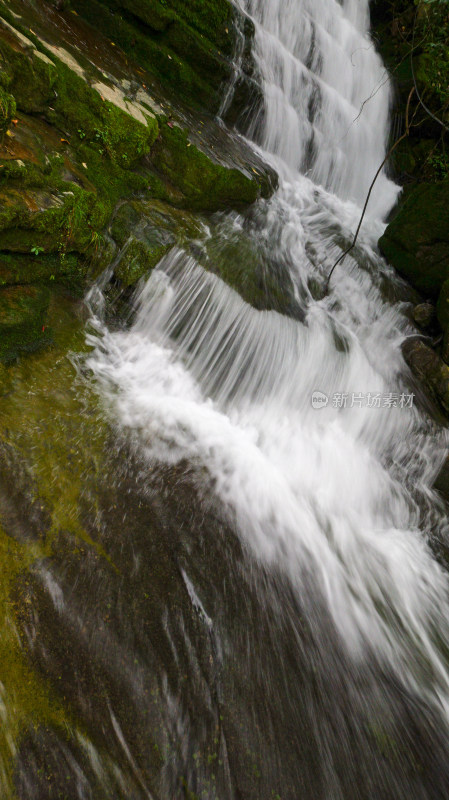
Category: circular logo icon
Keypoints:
(319, 400)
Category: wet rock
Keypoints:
(416, 242)
(429, 368)
(206, 184)
(189, 51)
(22, 317)
(50, 764)
(424, 315)
(138, 260)
(23, 514)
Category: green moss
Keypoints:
(16, 268)
(138, 260)
(7, 111)
(80, 111)
(43, 418)
(22, 316)
(211, 19)
(65, 226)
(32, 77)
(181, 46)
(237, 260)
(27, 698)
(155, 14)
(206, 185)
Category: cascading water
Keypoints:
(334, 502)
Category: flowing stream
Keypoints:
(346, 687)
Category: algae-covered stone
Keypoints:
(188, 47)
(53, 222)
(22, 316)
(32, 77)
(416, 242)
(137, 260)
(18, 268)
(206, 185)
(7, 111)
(154, 223)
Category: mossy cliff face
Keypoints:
(412, 37)
(413, 40)
(186, 46)
(79, 137)
(417, 240)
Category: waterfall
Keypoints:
(337, 497)
(327, 95)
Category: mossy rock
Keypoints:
(138, 260)
(69, 271)
(31, 75)
(188, 48)
(61, 222)
(416, 242)
(205, 184)
(7, 111)
(154, 223)
(22, 316)
(80, 110)
(238, 260)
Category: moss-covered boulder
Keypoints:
(416, 242)
(206, 184)
(138, 260)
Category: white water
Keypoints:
(339, 498)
